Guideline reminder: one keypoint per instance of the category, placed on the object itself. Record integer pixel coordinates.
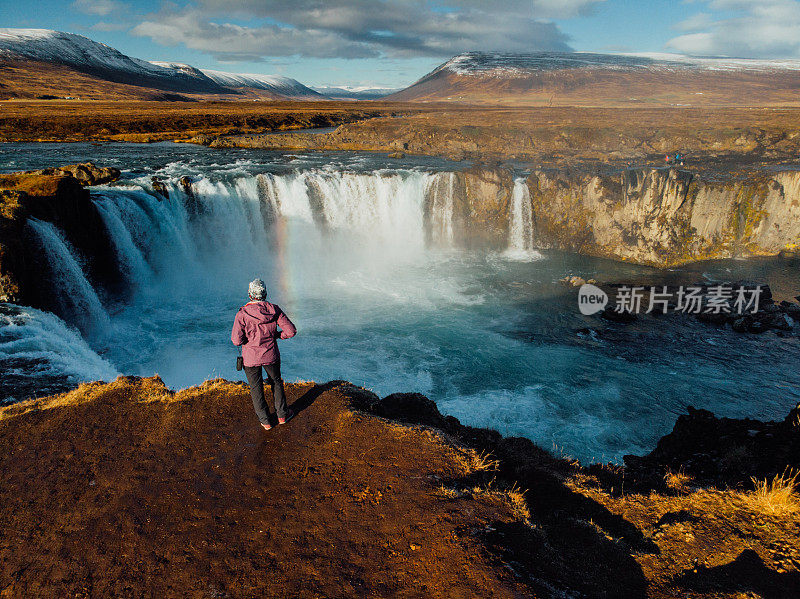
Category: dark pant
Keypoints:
(256, 382)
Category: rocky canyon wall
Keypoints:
(58, 196)
(666, 217)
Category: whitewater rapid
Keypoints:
(365, 259)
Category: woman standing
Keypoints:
(255, 328)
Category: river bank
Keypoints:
(146, 491)
(546, 135)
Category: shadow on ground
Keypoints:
(746, 574)
(570, 544)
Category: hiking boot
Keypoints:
(289, 416)
(266, 426)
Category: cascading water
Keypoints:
(520, 223)
(442, 191)
(41, 355)
(129, 257)
(365, 260)
(69, 286)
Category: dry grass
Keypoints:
(448, 492)
(34, 185)
(482, 462)
(516, 497)
(513, 497)
(154, 121)
(776, 497)
(85, 393)
(677, 481)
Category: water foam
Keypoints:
(70, 287)
(41, 354)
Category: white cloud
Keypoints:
(230, 43)
(361, 28)
(98, 7)
(106, 26)
(756, 29)
(701, 20)
(563, 9)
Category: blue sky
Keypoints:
(391, 43)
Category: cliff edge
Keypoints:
(56, 195)
(129, 489)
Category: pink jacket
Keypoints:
(255, 328)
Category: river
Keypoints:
(380, 296)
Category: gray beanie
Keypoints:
(257, 290)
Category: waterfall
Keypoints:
(131, 261)
(42, 355)
(212, 232)
(441, 193)
(387, 207)
(520, 223)
(69, 286)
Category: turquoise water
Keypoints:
(492, 337)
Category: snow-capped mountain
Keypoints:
(517, 65)
(362, 92)
(94, 58)
(47, 47)
(181, 67)
(282, 86)
(585, 78)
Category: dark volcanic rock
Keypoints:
(159, 187)
(722, 451)
(411, 407)
(12, 256)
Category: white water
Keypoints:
(72, 291)
(129, 257)
(38, 347)
(442, 192)
(520, 224)
(366, 265)
(382, 206)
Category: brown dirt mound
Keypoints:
(130, 490)
(127, 490)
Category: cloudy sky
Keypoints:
(391, 43)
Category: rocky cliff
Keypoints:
(59, 196)
(660, 217)
(666, 217)
(147, 492)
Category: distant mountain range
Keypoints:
(273, 85)
(41, 63)
(599, 79)
(356, 93)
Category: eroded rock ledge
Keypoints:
(667, 217)
(56, 195)
(146, 492)
(660, 217)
